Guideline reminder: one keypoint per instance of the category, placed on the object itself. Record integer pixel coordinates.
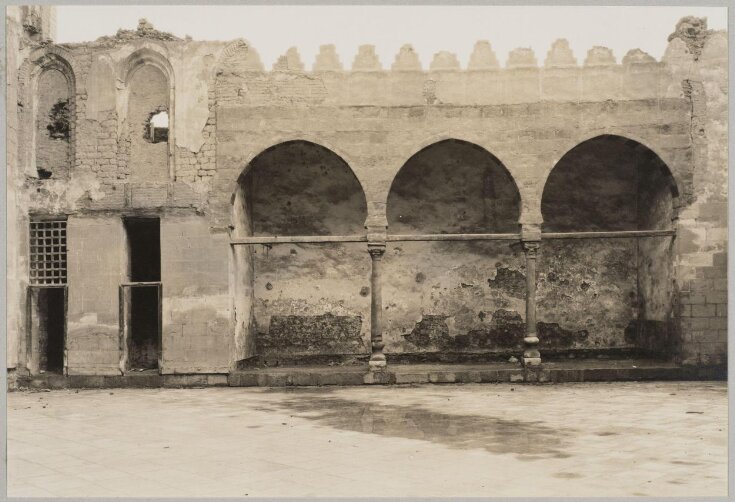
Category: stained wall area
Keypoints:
(453, 296)
(607, 292)
(308, 299)
(364, 151)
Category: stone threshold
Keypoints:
(550, 372)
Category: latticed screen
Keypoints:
(48, 252)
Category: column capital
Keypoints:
(530, 232)
(531, 248)
(376, 249)
(376, 236)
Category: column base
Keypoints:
(531, 357)
(378, 363)
(531, 361)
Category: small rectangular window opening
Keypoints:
(158, 127)
(48, 252)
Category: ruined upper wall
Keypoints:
(203, 74)
(558, 75)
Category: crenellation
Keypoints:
(366, 59)
(522, 57)
(406, 60)
(327, 59)
(483, 57)
(560, 55)
(637, 56)
(444, 61)
(291, 61)
(599, 56)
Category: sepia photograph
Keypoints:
(366, 251)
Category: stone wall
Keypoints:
(17, 220)
(226, 110)
(97, 265)
(197, 307)
(697, 61)
(19, 40)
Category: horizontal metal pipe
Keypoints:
(296, 239)
(316, 239)
(453, 237)
(133, 284)
(618, 234)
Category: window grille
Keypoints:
(48, 252)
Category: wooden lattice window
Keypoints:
(48, 252)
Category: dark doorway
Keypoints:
(144, 241)
(143, 340)
(50, 313)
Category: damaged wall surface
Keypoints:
(52, 126)
(340, 161)
(306, 296)
(453, 296)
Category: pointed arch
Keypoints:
(608, 182)
(453, 186)
(325, 196)
(298, 187)
(153, 60)
(31, 75)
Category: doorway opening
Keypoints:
(47, 295)
(141, 296)
(48, 328)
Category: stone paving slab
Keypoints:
(578, 439)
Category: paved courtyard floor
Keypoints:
(603, 439)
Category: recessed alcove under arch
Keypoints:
(607, 293)
(294, 301)
(453, 296)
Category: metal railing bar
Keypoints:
(616, 234)
(297, 239)
(452, 237)
(316, 239)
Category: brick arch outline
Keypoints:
(150, 54)
(230, 50)
(478, 143)
(261, 147)
(637, 143)
(671, 165)
(41, 60)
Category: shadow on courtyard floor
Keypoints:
(530, 440)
